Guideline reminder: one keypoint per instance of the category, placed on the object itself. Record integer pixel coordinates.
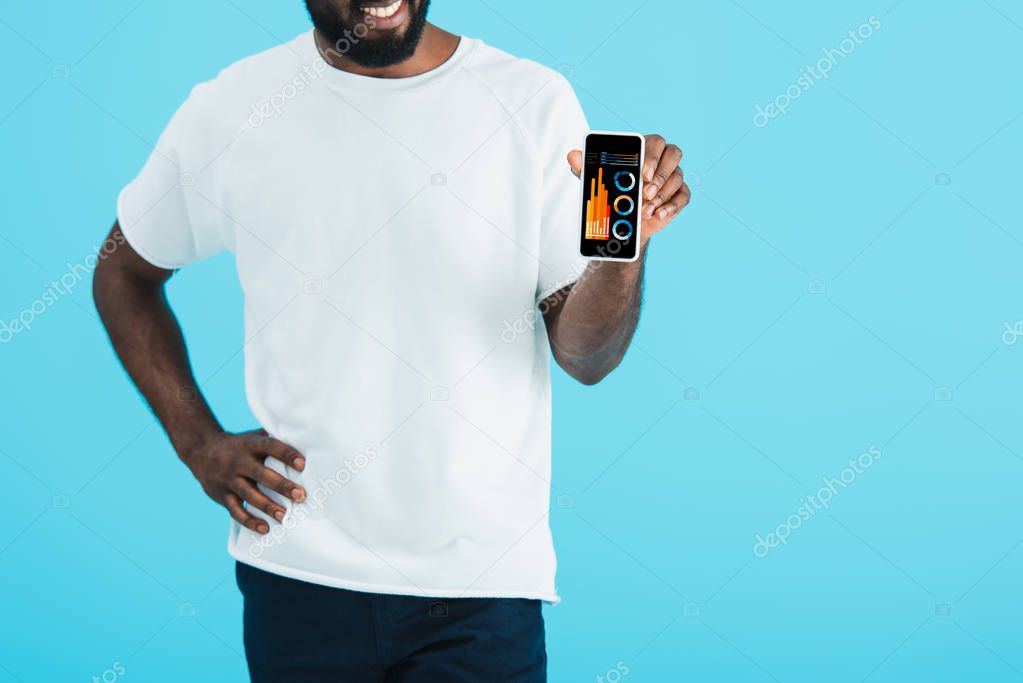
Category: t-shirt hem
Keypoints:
(362, 587)
(128, 228)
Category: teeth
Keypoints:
(383, 12)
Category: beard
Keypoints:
(350, 31)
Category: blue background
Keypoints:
(842, 279)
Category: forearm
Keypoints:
(594, 324)
(149, 343)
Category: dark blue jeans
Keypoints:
(297, 632)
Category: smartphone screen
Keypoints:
(611, 195)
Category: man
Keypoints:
(400, 207)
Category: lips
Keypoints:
(386, 17)
(382, 11)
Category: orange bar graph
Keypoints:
(598, 211)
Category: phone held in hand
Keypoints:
(612, 197)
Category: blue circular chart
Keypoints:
(625, 177)
(622, 229)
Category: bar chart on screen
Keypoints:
(598, 211)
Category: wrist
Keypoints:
(629, 269)
(194, 441)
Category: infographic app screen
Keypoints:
(611, 201)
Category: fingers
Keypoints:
(668, 161)
(275, 482)
(655, 145)
(255, 498)
(267, 445)
(672, 185)
(575, 162)
(234, 505)
(678, 202)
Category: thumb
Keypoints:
(575, 161)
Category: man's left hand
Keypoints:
(665, 192)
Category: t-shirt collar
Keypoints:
(348, 80)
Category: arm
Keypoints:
(590, 324)
(589, 330)
(130, 298)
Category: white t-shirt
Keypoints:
(393, 238)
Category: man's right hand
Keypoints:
(230, 465)
(130, 298)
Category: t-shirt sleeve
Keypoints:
(170, 212)
(565, 129)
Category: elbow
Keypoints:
(591, 378)
(591, 375)
(104, 284)
(587, 369)
(99, 277)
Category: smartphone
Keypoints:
(612, 196)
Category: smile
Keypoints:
(383, 12)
